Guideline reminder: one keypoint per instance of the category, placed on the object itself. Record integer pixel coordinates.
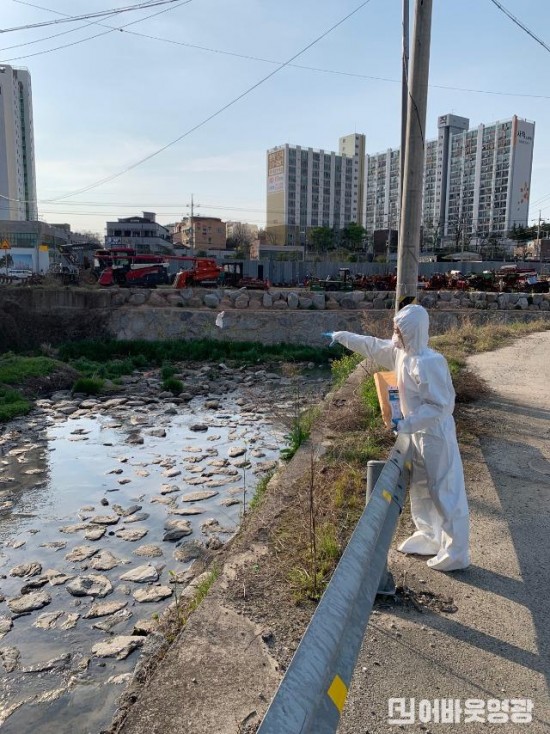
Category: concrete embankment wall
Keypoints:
(33, 316)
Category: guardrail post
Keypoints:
(386, 586)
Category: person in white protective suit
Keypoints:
(439, 506)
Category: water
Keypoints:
(56, 467)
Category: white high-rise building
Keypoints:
(309, 188)
(476, 182)
(17, 171)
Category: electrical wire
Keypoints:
(99, 14)
(178, 4)
(521, 25)
(248, 57)
(215, 114)
(48, 38)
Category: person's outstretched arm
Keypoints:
(381, 351)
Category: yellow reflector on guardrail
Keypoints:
(338, 692)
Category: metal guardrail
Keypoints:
(311, 696)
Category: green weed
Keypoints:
(157, 353)
(343, 367)
(15, 369)
(88, 385)
(260, 491)
(172, 385)
(12, 404)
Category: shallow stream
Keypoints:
(91, 490)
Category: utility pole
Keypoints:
(404, 99)
(411, 212)
(191, 229)
(539, 244)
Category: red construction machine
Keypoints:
(124, 267)
(201, 271)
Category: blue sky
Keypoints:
(102, 105)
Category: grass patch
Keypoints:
(157, 353)
(167, 371)
(172, 385)
(112, 369)
(12, 404)
(458, 344)
(260, 490)
(343, 367)
(88, 385)
(299, 433)
(15, 369)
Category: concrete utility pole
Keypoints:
(413, 172)
(404, 99)
(539, 244)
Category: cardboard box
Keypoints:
(386, 385)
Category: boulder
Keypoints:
(211, 300)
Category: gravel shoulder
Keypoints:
(480, 633)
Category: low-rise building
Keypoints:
(199, 233)
(31, 245)
(144, 234)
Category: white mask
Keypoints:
(397, 341)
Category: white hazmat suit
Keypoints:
(439, 506)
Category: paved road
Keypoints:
(496, 645)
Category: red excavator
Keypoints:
(124, 267)
(201, 271)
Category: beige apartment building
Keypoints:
(309, 188)
(200, 233)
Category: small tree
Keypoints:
(353, 236)
(320, 239)
(242, 239)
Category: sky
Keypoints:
(103, 104)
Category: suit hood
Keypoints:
(413, 322)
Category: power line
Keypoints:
(214, 114)
(48, 38)
(248, 57)
(522, 25)
(99, 14)
(178, 4)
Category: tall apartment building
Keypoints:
(17, 172)
(309, 188)
(476, 182)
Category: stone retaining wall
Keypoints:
(298, 299)
(33, 316)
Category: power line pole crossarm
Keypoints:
(413, 168)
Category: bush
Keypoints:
(173, 385)
(88, 385)
(167, 371)
(12, 404)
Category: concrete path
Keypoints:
(496, 645)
